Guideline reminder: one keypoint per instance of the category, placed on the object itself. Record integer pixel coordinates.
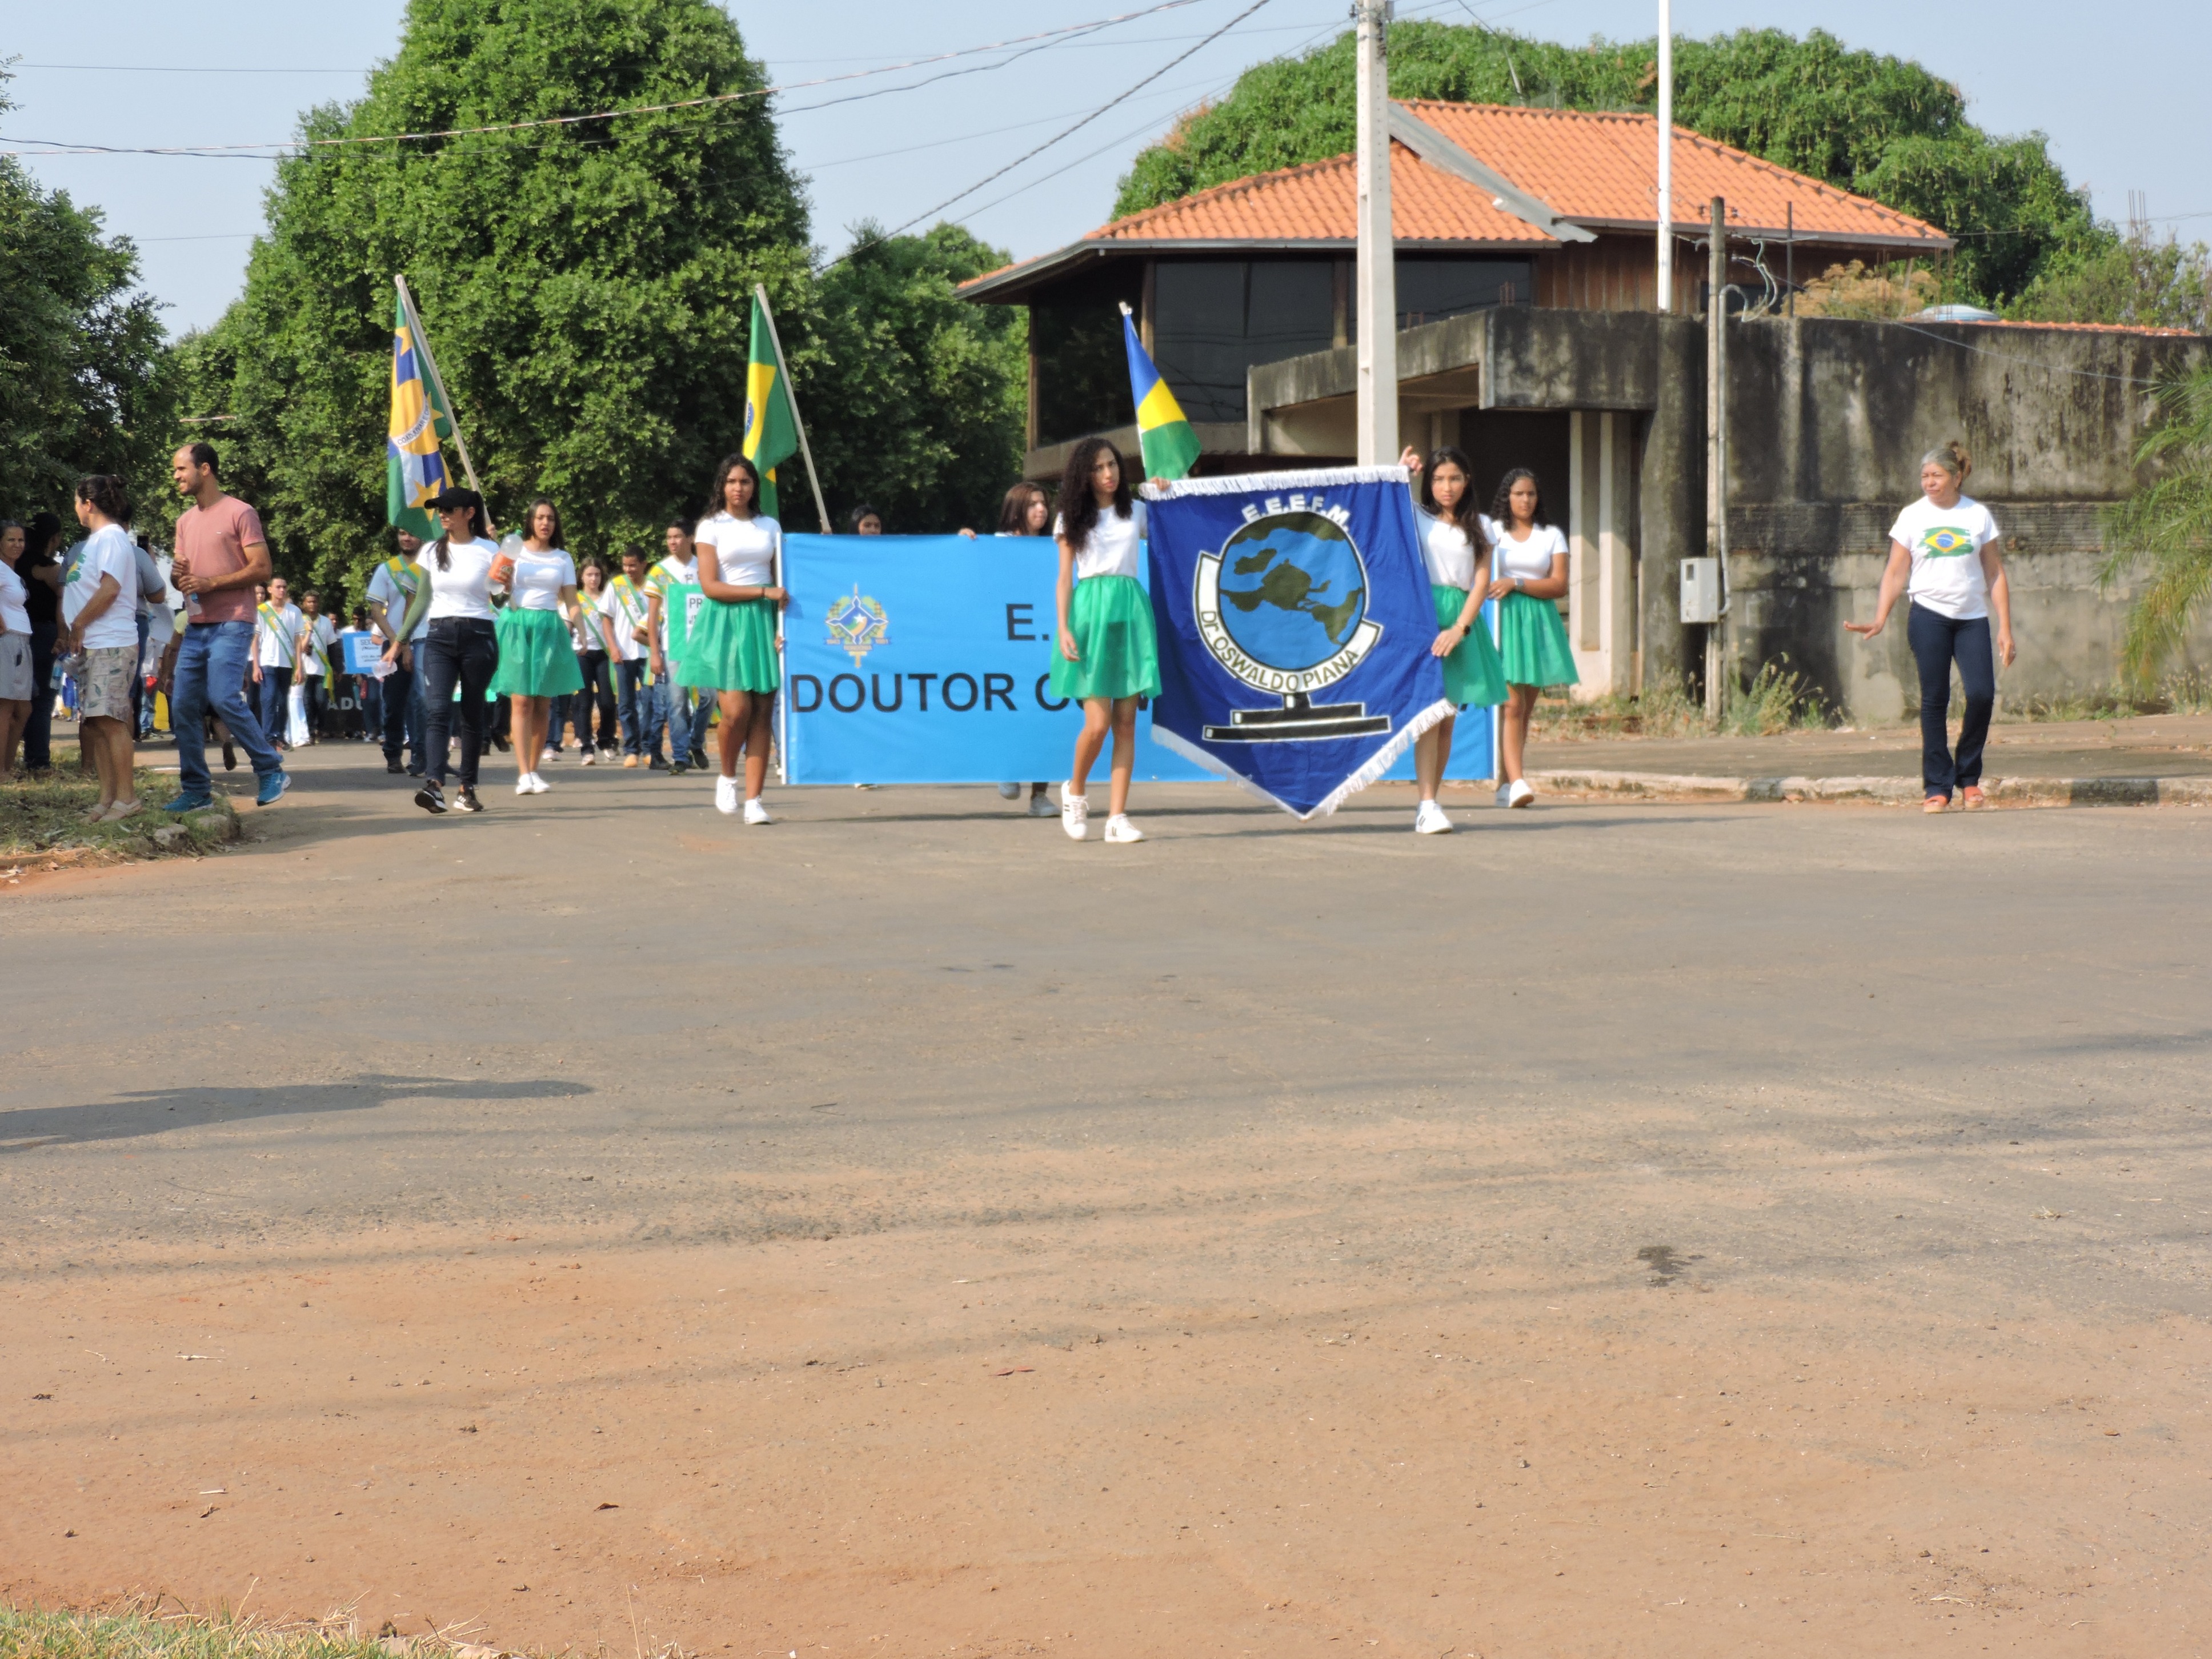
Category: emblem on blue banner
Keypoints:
(857, 624)
(1294, 620)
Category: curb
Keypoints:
(1877, 791)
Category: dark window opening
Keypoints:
(1082, 371)
(1213, 320)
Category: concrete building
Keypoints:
(1527, 334)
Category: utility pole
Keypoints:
(1666, 156)
(1716, 443)
(1377, 283)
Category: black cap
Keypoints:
(446, 501)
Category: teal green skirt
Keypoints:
(1119, 657)
(1533, 642)
(1474, 676)
(732, 647)
(537, 655)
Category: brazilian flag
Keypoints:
(771, 423)
(1163, 433)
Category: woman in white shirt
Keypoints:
(1457, 555)
(1104, 652)
(1530, 562)
(16, 678)
(732, 651)
(537, 652)
(99, 634)
(596, 650)
(1943, 553)
(453, 590)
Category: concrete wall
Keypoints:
(1828, 419)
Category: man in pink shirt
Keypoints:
(221, 553)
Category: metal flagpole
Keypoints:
(1666, 156)
(1376, 282)
(783, 363)
(430, 362)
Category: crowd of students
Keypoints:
(465, 643)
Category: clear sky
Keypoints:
(241, 70)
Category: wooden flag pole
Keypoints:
(790, 390)
(430, 362)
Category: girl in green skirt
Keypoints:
(1457, 556)
(537, 653)
(1531, 562)
(732, 651)
(1105, 654)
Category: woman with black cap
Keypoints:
(462, 649)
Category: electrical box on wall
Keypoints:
(1701, 590)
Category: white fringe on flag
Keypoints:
(1242, 483)
(1381, 761)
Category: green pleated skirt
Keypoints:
(1474, 675)
(1118, 655)
(1533, 642)
(537, 655)
(732, 647)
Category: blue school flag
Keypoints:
(1294, 622)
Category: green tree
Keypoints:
(82, 381)
(924, 393)
(586, 287)
(2167, 524)
(1878, 125)
(2134, 283)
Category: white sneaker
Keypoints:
(549, 754)
(522, 783)
(589, 757)
(725, 797)
(1521, 794)
(1505, 795)
(537, 785)
(1119, 828)
(1429, 819)
(755, 812)
(1010, 791)
(1040, 807)
(1074, 814)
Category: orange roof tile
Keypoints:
(1319, 203)
(1602, 167)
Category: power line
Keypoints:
(58, 148)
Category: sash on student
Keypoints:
(1295, 624)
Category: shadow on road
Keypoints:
(155, 1110)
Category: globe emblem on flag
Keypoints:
(858, 624)
(1293, 591)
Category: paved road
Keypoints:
(1874, 1144)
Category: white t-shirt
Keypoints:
(664, 575)
(1446, 550)
(274, 647)
(1529, 560)
(1946, 545)
(618, 611)
(321, 631)
(386, 591)
(1112, 546)
(465, 590)
(747, 547)
(590, 607)
(108, 551)
(538, 579)
(15, 602)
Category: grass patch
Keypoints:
(2189, 692)
(42, 816)
(1779, 700)
(133, 1631)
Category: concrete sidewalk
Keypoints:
(2147, 760)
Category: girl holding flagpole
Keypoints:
(1531, 567)
(732, 646)
(453, 591)
(1457, 555)
(1104, 653)
(537, 652)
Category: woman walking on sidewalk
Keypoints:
(595, 659)
(462, 649)
(732, 646)
(1104, 652)
(1943, 555)
(537, 652)
(1531, 562)
(1457, 555)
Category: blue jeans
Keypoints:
(671, 701)
(209, 675)
(142, 706)
(402, 691)
(1938, 641)
(629, 693)
(275, 702)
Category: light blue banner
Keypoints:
(923, 659)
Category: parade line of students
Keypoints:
(697, 634)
